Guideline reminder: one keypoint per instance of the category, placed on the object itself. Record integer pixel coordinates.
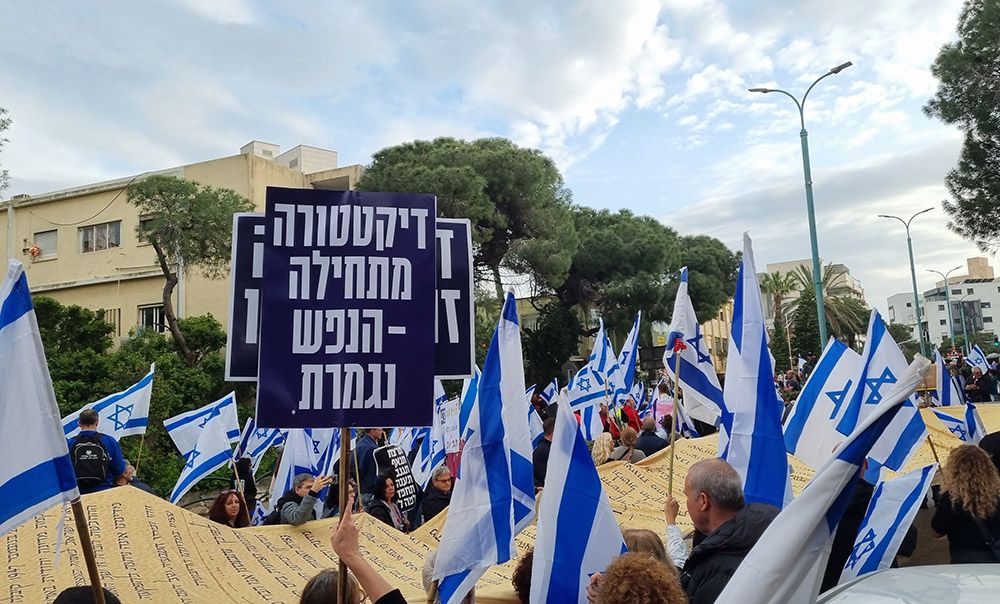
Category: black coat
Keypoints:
(713, 561)
(649, 443)
(378, 509)
(540, 461)
(847, 533)
(434, 501)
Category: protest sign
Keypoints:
(347, 328)
(245, 277)
(391, 460)
(456, 329)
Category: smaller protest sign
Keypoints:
(391, 460)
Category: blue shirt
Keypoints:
(116, 462)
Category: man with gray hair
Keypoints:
(731, 528)
(298, 503)
(437, 495)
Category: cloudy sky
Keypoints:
(642, 103)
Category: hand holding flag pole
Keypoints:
(679, 345)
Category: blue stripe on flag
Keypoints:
(111, 400)
(736, 334)
(17, 303)
(492, 438)
(579, 501)
(450, 583)
(35, 485)
(913, 431)
(853, 411)
(811, 393)
(203, 469)
(872, 562)
(767, 473)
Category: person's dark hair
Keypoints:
(89, 417)
(521, 579)
(84, 595)
(381, 483)
(663, 388)
(549, 426)
(322, 588)
(640, 579)
(243, 468)
(717, 479)
(217, 513)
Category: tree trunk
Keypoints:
(496, 282)
(187, 354)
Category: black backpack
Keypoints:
(90, 460)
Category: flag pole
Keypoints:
(138, 457)
(678, 347)
(88, 550)
(344, 487)
(239, 485)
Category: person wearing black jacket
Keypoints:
(717, 509)
(540, 456)
(437, 495)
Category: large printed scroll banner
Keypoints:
(348, 310)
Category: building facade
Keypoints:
(79, 246)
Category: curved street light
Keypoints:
(947, 298)
(913, 274)
(807, 173)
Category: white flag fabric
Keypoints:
(947, 392)
(495, 497)
(604, 363)
(881, 365)
(802, 363)
(787, 563)
(586, 388)
(977, 358)
(756, 447)
(470, 394)
(122, 414)
(297, 458)
(810, 430)
(630, 354)
(254, 442)
(578, 533)
(890, 514)
(590, 422)
(703, 399)
(968, 428)
(185, 429)
(211, 452)
(550, 391)
(535, 429)
(976, 428)
(37, 473)
(431, 453)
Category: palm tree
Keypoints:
(779, 285)
(846, 317)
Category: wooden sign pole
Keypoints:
(343, 484)
(88, 550)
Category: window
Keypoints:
(114, 317)
(909, 305)
(969, 290)
(987, 319)
(144, 223)
(944, 322)
(984, 304)
(151, 317)
(957, 291)
(293, 164)
(47, 244)
(99, 237)
(940, 306)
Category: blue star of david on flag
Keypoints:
(262, 433)
(863, 547)
(115, 417)
(316, 446)
(958, 431)
(694, 342)
(838, 397)
(585, 384)
(191, 457)
(875, 397)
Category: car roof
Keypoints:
(938, 584)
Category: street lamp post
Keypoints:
(807, 173)
(913, 274)
(947, 297)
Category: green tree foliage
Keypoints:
(779, 348)
(805, 325)
(712, 272)
(846, 317)
(4, 124)
(514, 197)
(551, 344)
(968, 88)
(902, 335)
(84, 369)
(191, 226)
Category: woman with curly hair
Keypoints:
(645, 541)
(601, 450)
(627, 450)
(968, 513)
(229, 509)
(638, 579)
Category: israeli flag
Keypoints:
(550, 391)
(947, 392)
(254, 442)
(881, 365)
(470, 394)
(122, 414)
(968, 428)
(685, 427)
(210, 452)
(578, 533)
(586, 388)
(976, 428)
(590, 422)
(185, 429)
(495, 497)
(604, 363)
(297, 458)
(788, 561)
(890, 514)
(431, 453)
(259, 514)
(530, 392)
(662, 407)
(404, 438)
(810, 430)
(802, 363)
(629, 354)
(976, 358)
(703, 397)
(756, 446)
(535, 429)
(37, 473)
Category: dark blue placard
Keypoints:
(456, 329)
(245, 280)
(347, 329)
